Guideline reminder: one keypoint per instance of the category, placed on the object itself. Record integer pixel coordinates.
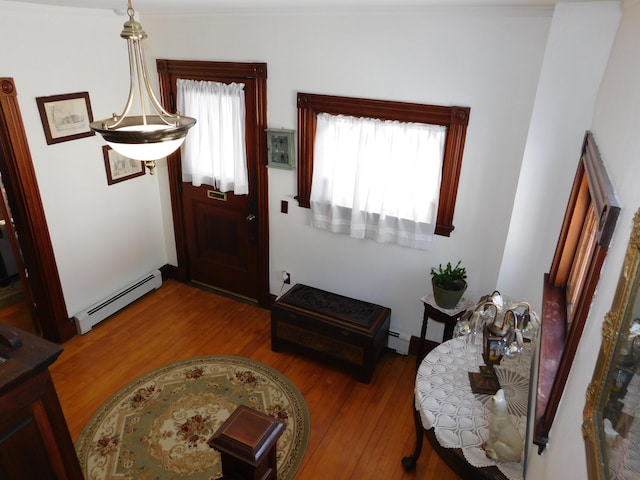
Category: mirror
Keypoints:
(611, 415)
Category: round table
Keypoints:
(458, 417)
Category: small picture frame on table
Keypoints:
(65, 117)
(621, 381)
(120, 168)
(281, 148)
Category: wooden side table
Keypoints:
(442, 386)
(441, 315)
(247, 445)
(449, 318)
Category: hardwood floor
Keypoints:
(358, 431)
(18, 314)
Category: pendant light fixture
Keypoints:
(153, 134)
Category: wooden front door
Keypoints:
(222, 238)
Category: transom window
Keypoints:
(443, 129)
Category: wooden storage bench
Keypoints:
(349, 332)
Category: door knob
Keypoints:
(251, 217)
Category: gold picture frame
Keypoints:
(607, 397)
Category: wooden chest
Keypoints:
(349, 332)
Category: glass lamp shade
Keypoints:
(146, 151)
(145, 138)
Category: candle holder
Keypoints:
(473, 321)
(519, 318)
(493, 339)
(492, 346)
(486, 381)
(501, 337)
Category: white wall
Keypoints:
(440, 56)
(576, 56)
(488, 59)
(103, 236)
(615, 126)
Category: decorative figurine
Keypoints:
(505, 442)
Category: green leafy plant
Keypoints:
(449, 278)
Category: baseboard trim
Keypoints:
(168, 271)
(414, 345)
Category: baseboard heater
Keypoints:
(86, 319)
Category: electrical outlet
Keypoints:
(286, 277)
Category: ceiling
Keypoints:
(205, 6)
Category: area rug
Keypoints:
(157, 426)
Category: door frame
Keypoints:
(21, 185)
(168, 69)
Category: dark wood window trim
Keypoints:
(559, 336)
(455, 119)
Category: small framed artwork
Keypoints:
(281, 148)
(65, 117)
(120, 168)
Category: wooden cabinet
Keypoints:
(34, 438)
(345, 331)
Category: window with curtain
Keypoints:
(214, 152)
(413, 191)
(377, 179)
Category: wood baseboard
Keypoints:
(168, 271)
(414, 345)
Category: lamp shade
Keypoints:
(144, 138)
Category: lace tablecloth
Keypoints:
(458, 416)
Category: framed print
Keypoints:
(281, 148)
(65, 117)
(120, 168)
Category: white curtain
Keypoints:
(214, 152)
(377, 179)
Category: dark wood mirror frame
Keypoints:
(566, 300)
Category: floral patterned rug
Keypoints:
(157, 426)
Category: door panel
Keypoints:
(223, 244)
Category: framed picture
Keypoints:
(65, 117)
(281, 148)
(120, 168)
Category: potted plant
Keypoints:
(449, 284)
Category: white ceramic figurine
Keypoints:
(505, 442)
